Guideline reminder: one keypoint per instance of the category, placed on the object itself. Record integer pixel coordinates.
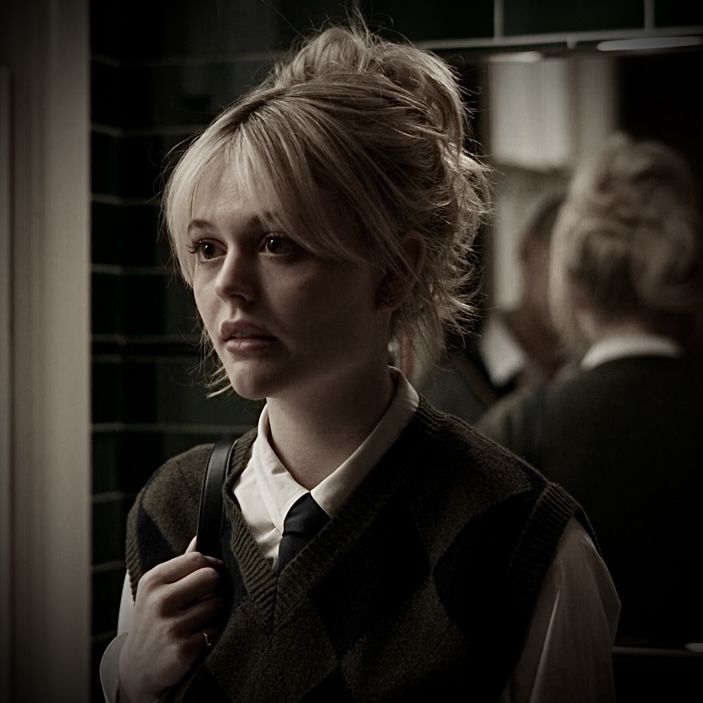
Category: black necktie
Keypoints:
(303, 521)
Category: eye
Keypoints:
(278, 244)
(206, 249)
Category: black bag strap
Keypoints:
(210, 514)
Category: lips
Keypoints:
(244, 336)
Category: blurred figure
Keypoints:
(517, 347)
(623, 433)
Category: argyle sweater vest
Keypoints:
(421, 587)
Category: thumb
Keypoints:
(191, 546)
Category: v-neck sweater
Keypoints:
(423, 582)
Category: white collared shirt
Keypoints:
(265, 490)
(576, 613)
(624, 344)
(502, 355)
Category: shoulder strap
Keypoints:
(210, 512)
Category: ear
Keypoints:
(395, 286)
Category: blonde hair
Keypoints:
(378, 127)
(628, 238)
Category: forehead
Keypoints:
(236, 185)
(220, 191)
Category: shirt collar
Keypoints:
(279, 490)
(621, 345)
(501, 354)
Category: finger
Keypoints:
(175, 569)
(205, 613)
(191, 546)
(193, 587)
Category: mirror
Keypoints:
(538, 116)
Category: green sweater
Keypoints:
(422, 586)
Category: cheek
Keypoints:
(338, 310)
(205, 307)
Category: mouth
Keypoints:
(245, 337)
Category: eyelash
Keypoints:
(197, 248)
(281, 239)
(290, 247)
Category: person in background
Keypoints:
(518, 347)
(623, 433)
(318, 220)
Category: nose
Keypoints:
(236, 277)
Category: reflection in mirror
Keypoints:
(620, 425)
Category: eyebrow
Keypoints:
(265, 219)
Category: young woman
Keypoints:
(319, 220)
(622, 432)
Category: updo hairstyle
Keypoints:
(628, 240)
(379, 130)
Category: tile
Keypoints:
(183, 94)
(172, 28)
(678, 13)
(131, 166)
(109, 529)
(105, 94)
(162, 390)
(128, 235)
(443, 19)
(107, 590)
(123, 392)
(142, 303)
(107, 304)
(125, 459)
(528, 17)
(106, 461)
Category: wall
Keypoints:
(44, 457)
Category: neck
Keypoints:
(596, 329)
(313, 436)
(537, 338)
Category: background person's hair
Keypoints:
(540, 220)
(379, 130)
(629, 241)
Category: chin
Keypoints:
(253, 385)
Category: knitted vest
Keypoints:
(422, 585)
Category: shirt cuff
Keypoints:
(109, 668)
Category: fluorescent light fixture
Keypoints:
(648, 43)
(517, 56)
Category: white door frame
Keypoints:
(45, 462)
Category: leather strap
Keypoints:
(210, 514)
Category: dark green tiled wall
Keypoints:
(159, 71)
(530, 17)
(142, 303)
(160, 390)
(678, 13)
(158, 96)
(133, 30)
(131, 166)
(128, 235)
(441, 19)
(125, 456)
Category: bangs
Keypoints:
(272, 165)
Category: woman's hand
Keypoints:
(176, 602)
